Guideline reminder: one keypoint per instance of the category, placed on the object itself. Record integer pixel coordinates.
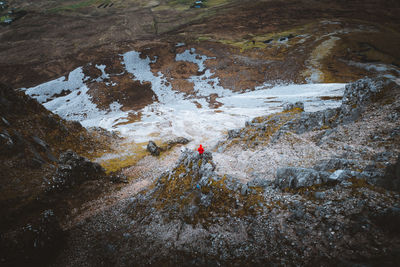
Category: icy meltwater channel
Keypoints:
(176, 114)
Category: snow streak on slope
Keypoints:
(46, 90)
(174, 114)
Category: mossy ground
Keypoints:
(175, 193)
(254, 136)
(128, 154)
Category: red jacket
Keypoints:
(200, 149)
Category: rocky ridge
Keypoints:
(335, 212)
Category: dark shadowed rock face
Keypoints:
(31, 140)
(391, 179)
(33, 243)
(74, 169)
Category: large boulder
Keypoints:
(153, 148)
(194, 192)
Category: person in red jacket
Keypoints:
(200, 149)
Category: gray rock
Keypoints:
(5, 121)
(177, 141)
(153, 148)
(206, 199)
(383, 156)
(357, 95)
(206, 170)
(290, 106)
(292, 177)
(244, 190)
(320, 195)
(6, 139)
(260, 182)
(233, 133)
(334, 164)
(309, 121)
(340, 175)
(40, 142)
(393, 117)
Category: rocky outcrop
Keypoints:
(294, 178)
(193, 191)
(309, 121)
(261, 130)
(74, 170)
(358, 95)
(356, 98)
(156, 150)
(208, 219)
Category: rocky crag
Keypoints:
(340, 209)
(41, 179)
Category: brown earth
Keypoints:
(44, 45)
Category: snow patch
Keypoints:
(191, 56)
(175, 115)
(78, 106)
(205, 85)
(47, 90)
(104, 75)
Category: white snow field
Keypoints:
(175, 114)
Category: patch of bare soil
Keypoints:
(132, 95)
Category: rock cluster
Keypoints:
(291, 106)
(73, 170)
(192, 190)
(194, 213)
(155, 150)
